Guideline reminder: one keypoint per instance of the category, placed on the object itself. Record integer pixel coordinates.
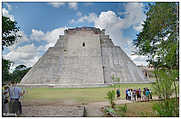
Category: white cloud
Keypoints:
(73, 5)
(135, 15)
(5, 13)
(29, 54)
(90, 18)
(36, 35)
(139, 60)
(56, 4)
(23, 55)
(111, 23)
(8, 6)
(123, 13)
(52, 37)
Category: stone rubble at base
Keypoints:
(83, 57)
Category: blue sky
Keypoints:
(41, 24)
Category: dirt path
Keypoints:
(94, 109)
(68, 108)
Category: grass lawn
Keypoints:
(79, 95)
(139, 109)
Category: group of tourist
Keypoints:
(136, 94)
(11, 99)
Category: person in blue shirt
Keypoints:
(126, 94)
(147, 93)
(15, 93)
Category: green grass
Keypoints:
(79, 95)
(140, 109)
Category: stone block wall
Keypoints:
(83, 56)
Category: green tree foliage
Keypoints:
(111, 97)
(6, 75)
(19, 72)
(9, 32)
(16, 75)
(159, 41)
(166, 108)
(164, 87)
(159, 30)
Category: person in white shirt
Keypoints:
(129, 94)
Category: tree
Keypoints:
(159, 41)
(9, 37)
(159, 30)
(6, 75)
(19, 72)
(9, 32)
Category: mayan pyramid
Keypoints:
(83, 57)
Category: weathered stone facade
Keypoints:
(83, 56)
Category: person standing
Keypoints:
(150, 94)
(144, 94)
(134, 95)
(15, 93)
(139, 94)
(126, 94)
(118, 93)
(129, 94)
(5, 99)
(147, 93)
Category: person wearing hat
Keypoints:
(15, 93)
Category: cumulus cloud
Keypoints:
(135, 15)
(23, 55)
(36, 35)
(139, 60)
(5, 13)
(56, 4)
(90, 18)
(51, 37)
(73, 5)
(112, 23)
(29, 53)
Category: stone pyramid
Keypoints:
(83, 57)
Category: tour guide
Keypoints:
(15, 104)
